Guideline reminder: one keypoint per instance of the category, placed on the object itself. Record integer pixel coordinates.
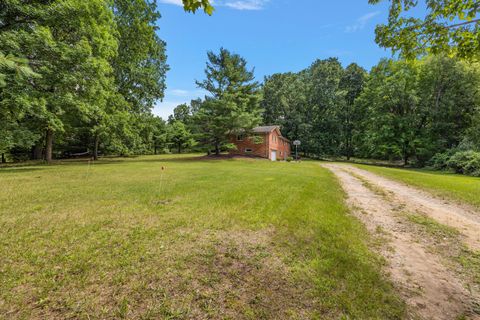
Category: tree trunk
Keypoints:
(3, 158)
(217, 149)
(348, 148)
(179, 148)
(155, 149)
(49, 145)
(95, 148)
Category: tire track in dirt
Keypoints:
(464, 219)
(430, 290)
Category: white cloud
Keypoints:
(246, 4)
(179, 92)
(165, 108)
(175, 2)
(233, 4)
(361, 22)
(186, 93)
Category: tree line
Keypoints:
(79, 76)
(401, 110)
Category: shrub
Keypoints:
(289, 159)
(465, 162)
(439, 161)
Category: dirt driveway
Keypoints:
(431, 288)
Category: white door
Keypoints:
(274, 155)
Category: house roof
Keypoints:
(265, 129)
(268, 129)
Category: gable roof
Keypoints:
(269, 129)
(265, 129)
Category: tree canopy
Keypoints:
(449, 27)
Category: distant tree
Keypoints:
(233, 104)
(159, 135)
(324, 99)
(181, 113)
(450, 27)
(449, 90)
(395, 121)
(351, 83)
(284, 102)
(179, 136)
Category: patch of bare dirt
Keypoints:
(236, 275)
(430, 289)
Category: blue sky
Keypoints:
(273, 35)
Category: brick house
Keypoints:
(272, 144)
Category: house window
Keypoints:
(248, 150)
(240, 137)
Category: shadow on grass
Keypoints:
(42, 165)
(17, 169)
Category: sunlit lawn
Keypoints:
(230, 239)
(453, 186)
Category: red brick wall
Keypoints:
(259, 150)
(271, 141)
(280, 144)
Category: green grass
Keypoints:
(451, 246)
(433, 227)
(451, 186)
(231, 239)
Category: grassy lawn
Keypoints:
(229, 239)
(453, 186)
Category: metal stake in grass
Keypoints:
(161, 179)
(88, 170)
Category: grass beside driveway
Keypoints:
(231, 239)
(451, 186)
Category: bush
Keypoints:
(289, 159)
(465, 162)
(439, 161)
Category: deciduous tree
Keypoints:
(449, 27)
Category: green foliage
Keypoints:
(450, 27)
(417, 109)
(315, 105)
(285, 104)
(349, 114)
(92, 73)
(394, 117)
(233, 104)
(439, 161)
(194, 5)
(465, 162)
(69, 45)
(182, 113)
(140, 65)
(179, 136)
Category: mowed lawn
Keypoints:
(450, 186)
(202, 239)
